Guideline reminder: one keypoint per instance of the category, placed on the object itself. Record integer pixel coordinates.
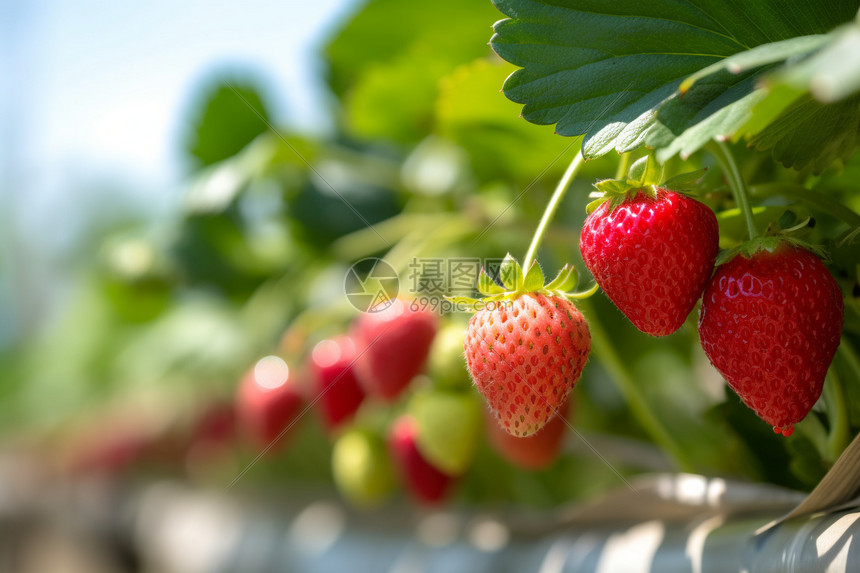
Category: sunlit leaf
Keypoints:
(473, 113)
(833, 73)
(611, 70)
(382, 30)
(759, 56)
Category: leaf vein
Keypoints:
(644, 17)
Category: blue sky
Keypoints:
(107, 82)
(94, 96)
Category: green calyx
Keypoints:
(644, 176)
(769, 243)
(515, 283)
(781, 232)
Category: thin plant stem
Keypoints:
(639, 406)
(623, 166)
(849, 354)
(552, 206)
(834, 396)
(724, 156)
(851, 361)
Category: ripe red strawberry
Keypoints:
(770, 323)
(525, 356)
(268, 401)
(652, 256)
(535, 452)
(336, 385)
(393, 345)
(425, 482)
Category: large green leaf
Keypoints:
(811, 134)
(809, 112)
(604, 69)
(833, 74)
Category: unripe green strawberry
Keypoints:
(361, 467)
(651, 255)
(771, 321)
(449, 428)
(525, 356)
(445, 366)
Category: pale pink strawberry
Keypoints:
(525, 356)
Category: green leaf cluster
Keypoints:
(675, 74)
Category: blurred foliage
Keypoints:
(429, 160)
(452, 31)
(227, 107)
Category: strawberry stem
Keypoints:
(623, 166)
(724, 156)
(840, 434)
(834, 398)
(552, 206)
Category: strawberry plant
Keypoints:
(774, 332)
(690, 161)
